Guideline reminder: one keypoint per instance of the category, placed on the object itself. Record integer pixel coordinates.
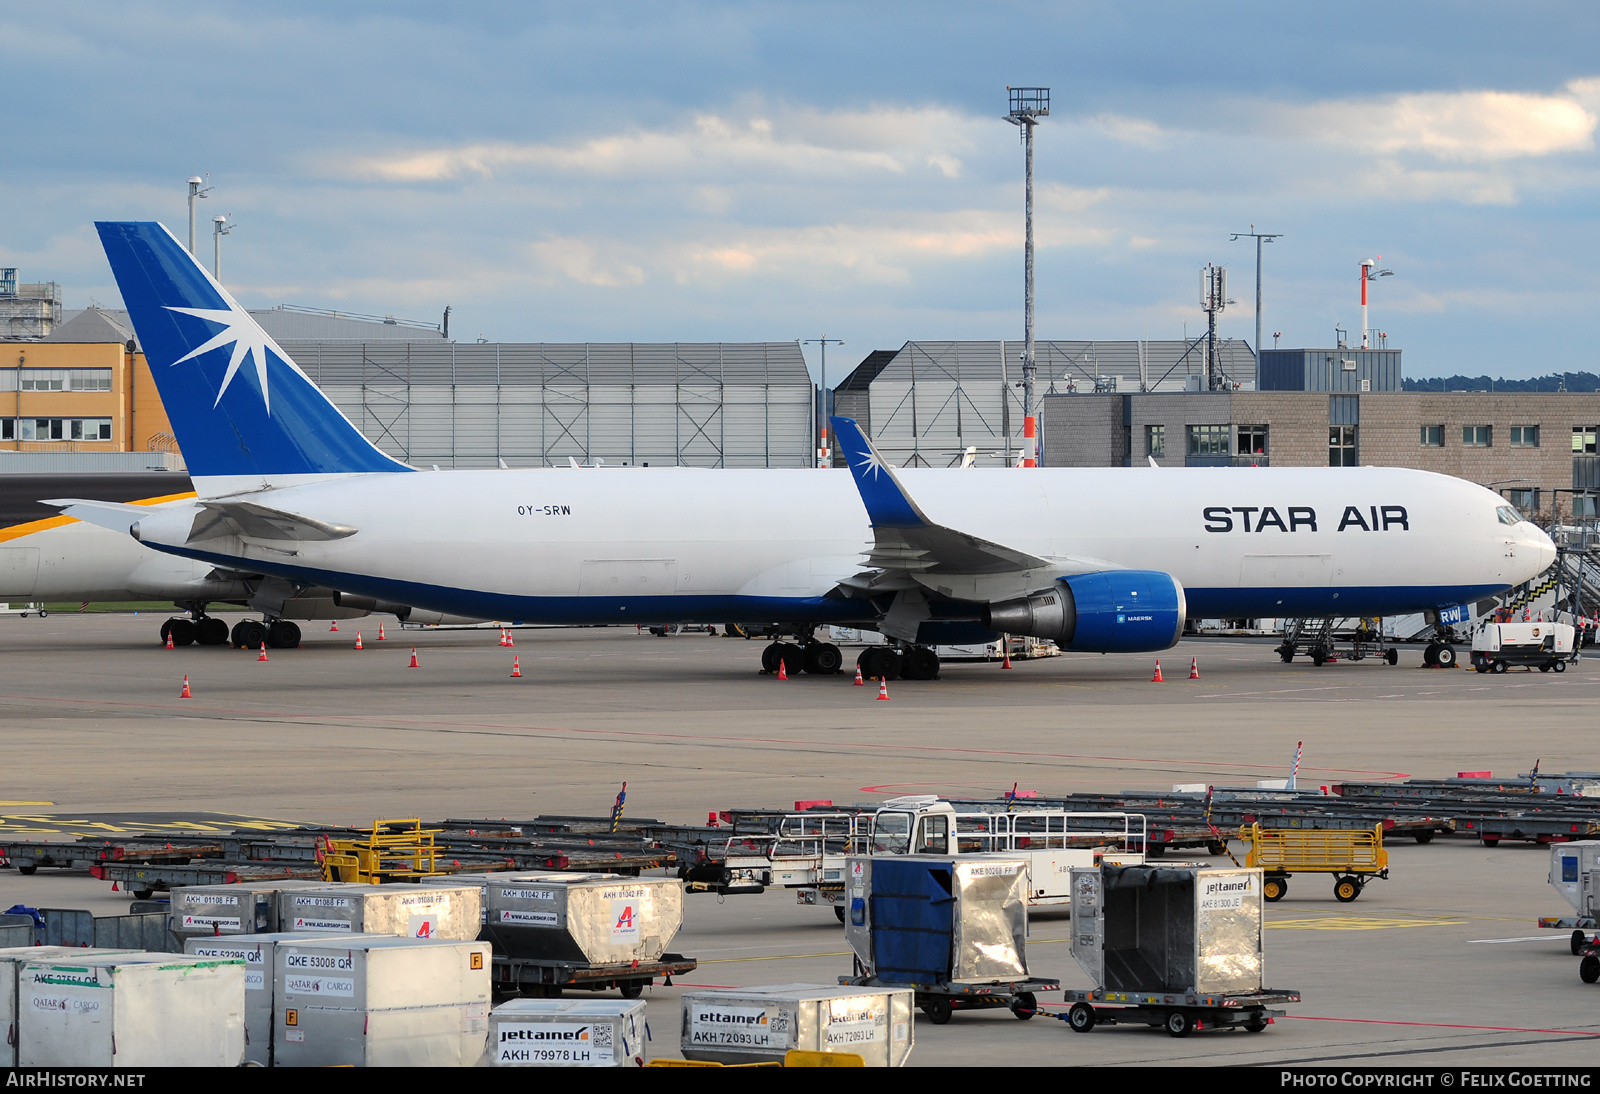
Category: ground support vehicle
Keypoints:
(940, 1001)
(1581, 926)
(145, 881)
(1353, 856)
(807, 851)
(532, 978)
(1545, 646)
(1329, 639)
(1178, 1013)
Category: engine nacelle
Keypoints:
(1113, 611)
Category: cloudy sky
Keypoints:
(766, 171)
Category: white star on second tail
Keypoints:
(873, 463)
(247, 338)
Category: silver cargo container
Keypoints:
(1573, 874)
(445, 910)
(240, 908)
(130, 1010)
(760, 1024)
(258, 952)
(1168, 928)
(595, 919)
(567, 1033)
(380, 1002)
(980, 902)
(11, 961)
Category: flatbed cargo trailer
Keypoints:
(1179, 1013)
(940, 1001)
(514, 976)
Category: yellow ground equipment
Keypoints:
(396, 850)
(1353, 856)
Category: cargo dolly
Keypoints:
(1581, 927)
(534, 978)
(1353, 856)
(940, 1001)
(1179, 1013)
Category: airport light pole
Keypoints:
(1028, 105)
(219, 228)
(823, 452)
(1260, 238)
(195, 191)
(1369, 272)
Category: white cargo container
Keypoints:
(380, 1002)
(258, 952)
(130, 1010)
(1573, 874)
(240, 908)
(447, 910)
(594, 919)
(568, 1033)
(760, 1024)
(11, 961)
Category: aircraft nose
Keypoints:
(1542, 548)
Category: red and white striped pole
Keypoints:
(1030, 441)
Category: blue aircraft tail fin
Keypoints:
(888, 504)
(238, 405)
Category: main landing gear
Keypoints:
(247, 634)
(206, 631)
(280, 634)
(1442, 654)
(899, 663)
(817, 658)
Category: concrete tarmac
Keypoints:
(1439, 966)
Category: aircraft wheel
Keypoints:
(881, 661)
(183, 632)
(823, 659)
(211, 631)
(920, 663)
(770, 658)
(1446, 657)
(283, 635)
(249, 634)
(1430, 654)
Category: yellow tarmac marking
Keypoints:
(1360, 923)
(26, 803)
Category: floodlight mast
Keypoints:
(824, 452)
(1369, 271)
(219, 228)
(1260, 238)
(1028, 105)
(195, 191)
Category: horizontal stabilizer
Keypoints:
(903, 536)
(251, 521)
(115, 515)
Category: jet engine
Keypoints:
(1113, 611)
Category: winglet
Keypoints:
(888, 504)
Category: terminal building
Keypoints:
(80, 397)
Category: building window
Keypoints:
(1524, 436)
(1252, 440)
(1433, 436)
(1341, 446)
(1208, 440)
(1583, 439)
(1155, 440)
(1526, 501)
(8, 429)
(57, 429)
(1476, 436)
(1583, 505)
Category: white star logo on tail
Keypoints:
(247, 338)
(871, 461)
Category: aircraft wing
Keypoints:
(904, 539)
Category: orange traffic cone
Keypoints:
(509, 640)
(1156, 679)
(1007, 662)
(186, 694)
(263, 656)
(169, 638)
(413, 664)
(502, 637)
(860, 683)
(380, 632)
(883, 689)
(333, 629)
(516, 667)
(783, 673)
(1194, 668)
(358, 640)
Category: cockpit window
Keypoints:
(1509, 515)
